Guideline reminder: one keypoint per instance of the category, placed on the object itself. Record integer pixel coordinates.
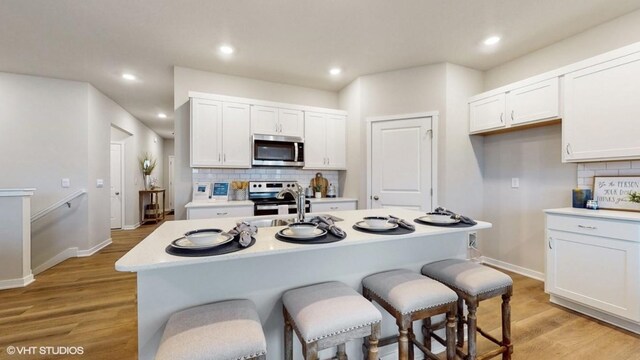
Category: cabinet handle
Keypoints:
(502, 118)
(224, 157)
(222, 213)
(588, 227)
(568, 149)
(219, 157)
(334, 208)
(328, 161)
(512, 111)
(550, 247)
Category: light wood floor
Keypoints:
(85, 302)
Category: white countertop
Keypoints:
(218, 203)
(150, 254)
(331, 200)
(603, 214)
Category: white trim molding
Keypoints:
(70, 253)
(93, 250)
(17, 192)
(131, 227)
(513, 268)
(16, 283)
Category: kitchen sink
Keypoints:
(261, 221)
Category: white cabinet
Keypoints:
(595, 262)
(325, 141)
(524, 105)
(601, 111)
(532, 103)
(329, 206)
(268, 120)
(219, 134)
(214, 212)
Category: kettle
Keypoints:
(331, 192)
(308, 192)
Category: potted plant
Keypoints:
(147, 164)
(318, 189)
(634, 197)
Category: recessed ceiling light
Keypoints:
(162, 115)
(335, 71)
(492, 40)
(227, 50)
(128, 76)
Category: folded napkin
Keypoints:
(246, 231)
(326, 223)
(401, 222)
(462, 218)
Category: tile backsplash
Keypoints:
(303, 177)
(586, 171)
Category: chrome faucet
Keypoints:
(298, 195)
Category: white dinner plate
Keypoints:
(184, 243)
(439, 219)
(388, 226)
(287, 233)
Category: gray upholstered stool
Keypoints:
(474, 283)
(228, 330)
(409, 297)
(327, 315)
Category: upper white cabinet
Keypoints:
(602, 112)
(325, 141)
(275, 121)
(487, 114)
(533, 103)
(220, 134)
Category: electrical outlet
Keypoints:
(66, 183)
(515, 183)
(472, 240)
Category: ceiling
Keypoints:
(287, 41)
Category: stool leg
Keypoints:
(471, 330)
(426, 331)
(460, 335)
(288, 337)
(311, 351)
(412, 336)
(451, 334)
(373, 342)
(403, 341)
(342, 354)
(506, 326)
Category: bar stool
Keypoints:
(227, 330)
(327, 315)
(408, 297)
(474, 283)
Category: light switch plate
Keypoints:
(99, 183)
(66, 183)
(515, 183)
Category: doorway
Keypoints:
(401, 161)
(117, 185)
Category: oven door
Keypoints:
(271, 150)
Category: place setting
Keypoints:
(384, 225)
(321, 230)
(446, 218)
(210, 242)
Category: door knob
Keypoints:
(117, 193)
(376, 197)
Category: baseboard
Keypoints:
(131, 227)
(391, 351)
(513, 268)
(600, 315)
(64, 255)
(16, 283)
(95, 249)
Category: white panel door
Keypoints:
(264, 120)
(236, 142)
(315, 141)
(401, 164)
(206, 128)
(487, 114)
(170, 189)
(540, 101)
(291, 122)
(601, 113)
(116, 186)
(336, 142)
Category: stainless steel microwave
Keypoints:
(272, 150)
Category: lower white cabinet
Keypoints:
(594, 262)
(213, 212)
(328, 205)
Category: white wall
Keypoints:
(353, 182)
(186, 80)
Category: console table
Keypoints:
(157, 210)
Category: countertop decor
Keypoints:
(615, 192)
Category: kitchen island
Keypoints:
(262, 272)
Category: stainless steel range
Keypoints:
(263, 194)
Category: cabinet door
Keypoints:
(537, 102)
(601, 111)
(264, 120)
(236, 142)
(336, 142)
(315, 141)
(206, 128)
(487, 114)
(596, 271)
(291, 122)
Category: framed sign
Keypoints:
(220, 191)
(612, 192)
(201, 191)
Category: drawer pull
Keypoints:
(587, 227)
(334, 208)
(222, 213)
